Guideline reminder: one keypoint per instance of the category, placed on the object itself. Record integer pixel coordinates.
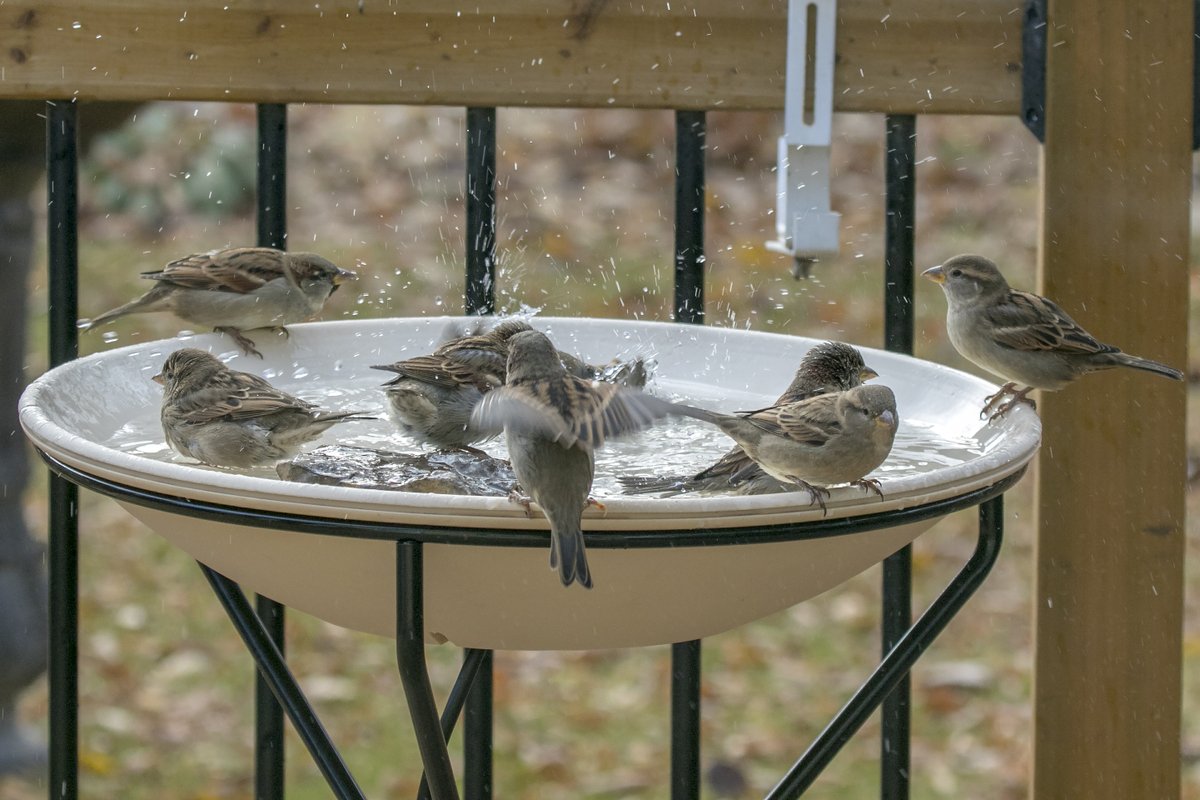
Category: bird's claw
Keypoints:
(1005, 400)
(278, 329)
(244, 342)
(523, 501)
(816, 494)
(869, 485)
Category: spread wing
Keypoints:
(569, 410)
(1028, 322)
(448, 373)
(239, 270)
(241, 397)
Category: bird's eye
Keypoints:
(956, 273)
(865, 412)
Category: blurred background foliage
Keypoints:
(585, 228)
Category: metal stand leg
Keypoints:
(284, 686)
(477, 734)
(685, 720)
(410, 655)
(472, 661)
(899, 661)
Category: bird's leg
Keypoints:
(1015, 400)
(993, 401)
(816, 494)
(245, 343)
(591, 501)
(523, 501)
(869, 485)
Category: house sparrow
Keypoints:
(234, 419)
(827, 439)
(236, 289)
(432, 396)
(489, 351)
(553, 421)
(1025, 339)
(827, 367)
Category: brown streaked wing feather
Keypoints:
(246, 397)
(1029, 322)
(569, 410)
(239, 270)
(445, 372)
(812, 422)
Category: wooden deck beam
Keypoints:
(918, 56)
(1116, 180)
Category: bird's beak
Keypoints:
(344, 275)
(936, 274)
(159, 379)
(886, 419)
(866, 373)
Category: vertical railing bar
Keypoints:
(480, 298)
(690, 134)
(481, 211)
(272, 232)
(690, 130)
(899, 331)
(62, 217)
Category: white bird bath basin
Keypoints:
(666, 570)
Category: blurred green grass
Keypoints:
(584, 229)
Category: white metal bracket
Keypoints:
(805, 226)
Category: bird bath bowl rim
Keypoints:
(705, 564)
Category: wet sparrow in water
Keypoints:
(553, 421)
(234, 419)
(831, 438)
(1025, 339)
(432, 396)
(237, 289)
(827, 367)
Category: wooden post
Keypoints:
(1116, 179)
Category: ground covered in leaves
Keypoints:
(586, 201)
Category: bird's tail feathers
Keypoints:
(653, 484)
(343, 416)
(1145, 364)
(702, 414)
(150, 301)
(568, 556)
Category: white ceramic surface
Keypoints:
(507, 597)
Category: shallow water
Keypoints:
(674, 447)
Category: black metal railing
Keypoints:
(262, 630)
(271, 200)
